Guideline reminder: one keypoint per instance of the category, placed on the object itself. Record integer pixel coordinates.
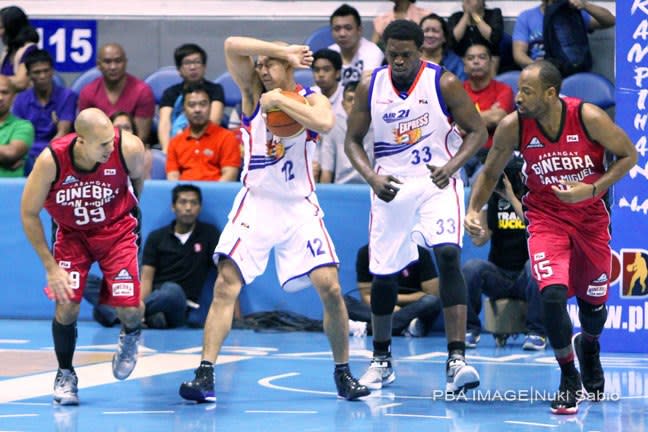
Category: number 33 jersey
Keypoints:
(83, 200)
(411, 129)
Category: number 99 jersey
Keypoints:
(84, 200)
(411, 129)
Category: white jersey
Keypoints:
(411, 129)
(274, 166)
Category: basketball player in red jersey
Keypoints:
(562, 141)
(87, 183)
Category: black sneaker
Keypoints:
(590, 367)
(201, 388)
(569, 395)
(348, 387)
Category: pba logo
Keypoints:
(630, 268)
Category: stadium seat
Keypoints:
(507, 63)
(320, 38)
(510, 78)
(162, 79)
(58, 80)
(590, 87)
(304, 77)
(84, 79)
(158, 169)
(230, 88)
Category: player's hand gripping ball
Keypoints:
(280, 123)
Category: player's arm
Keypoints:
(505, 141)
(604, 131)
(146, 284)
(465, 114)
(317, 115)
(357, 127)
(133, 151)
(36, 189)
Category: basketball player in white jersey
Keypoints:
(418, 195)
(276, 208)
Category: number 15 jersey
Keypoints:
(412, 128)
(84, 200)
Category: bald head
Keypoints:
(112, 63)
(112, 48)
(91, 123)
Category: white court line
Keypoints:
(18, 415)
(279, 412)
(391, 405)
(14, 341)
(530, 424)
(137, 412)
(30, 404)
(417, 416)
(267, 382)
(37, 385)
(242, 350)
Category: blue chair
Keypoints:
(304, 77)
(590, 87)
(58, 80)
(84, 79)
(510, 78)
(162, 79)
(507, 63)
(230, 88)
(158, 168)
(320, 38)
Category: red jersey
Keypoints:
(484, 99)
(83, 200)
(572, 156)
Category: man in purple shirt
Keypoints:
(117, 90)
(51, 109)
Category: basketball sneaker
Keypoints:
(534, 342)
(459, 375)
(125, 358)
(201, 388)
(569, 395)
(348, 387)
(65, 387)
(472, 339)
(379, 374)
(589, 361)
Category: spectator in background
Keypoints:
(403, 9)
(417, 304)
(19, 39)
(124, 121)
(117, 90)
(50, 109)
(476, 24)
(191, 61)
(435, 45)
(506, 274)
(528, 41)
(204, 150)
(334, 163)
(358, 54)
(176, 262)
(493, 99)
(16, 135)
(327, 67)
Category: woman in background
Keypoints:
(19, 39)
(435, 45)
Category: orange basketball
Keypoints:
(280, 123)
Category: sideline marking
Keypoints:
(530, 423)
(418, 416)
(279, 412)
(18, 415)
(137, 412)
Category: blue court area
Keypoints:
(283, 382)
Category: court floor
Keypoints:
(283, 382)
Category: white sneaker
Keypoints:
(357, 328)
(459, 375)
(379, 374)
(65, 387)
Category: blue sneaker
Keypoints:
(125, 358)
(472, 339)
(534, 342)
(201, 388)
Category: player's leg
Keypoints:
(336, 326)
(550, 257)
(473, 272)
(536, 338)
(71, 255)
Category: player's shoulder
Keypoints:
(511, 120)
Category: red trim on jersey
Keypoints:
(459, 221)
(238, 241)
(248, 128)
(240, 207)
(445, 145)
(413, 86)
(308, 173)
(328, 240)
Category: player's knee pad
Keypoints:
(384, 293)
(452, 289)
(556, 319)
(592, 317)
(448, 257)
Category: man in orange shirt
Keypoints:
(204, 150)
